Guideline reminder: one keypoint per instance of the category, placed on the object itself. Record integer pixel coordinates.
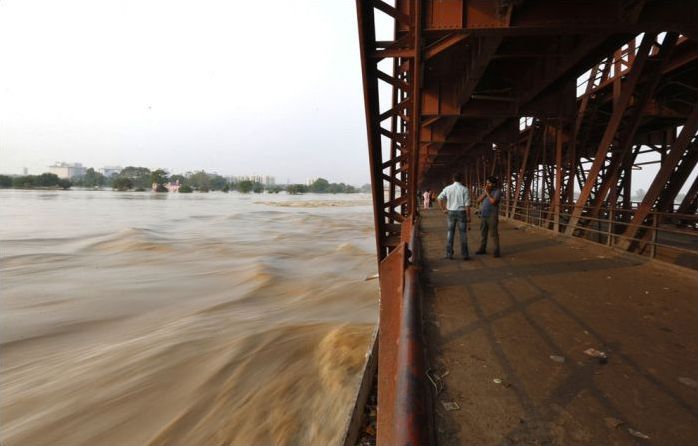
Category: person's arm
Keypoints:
(442, 200)
(493, 200)
(467, 204)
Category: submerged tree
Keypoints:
(5, 181)
(91, 178)
(139, 176)
(65, 183)
(159, 178)
(122, 184)
(295, 189)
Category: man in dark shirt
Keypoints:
(489, 215)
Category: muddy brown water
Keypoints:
(148, 319)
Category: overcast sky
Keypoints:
(265, 87)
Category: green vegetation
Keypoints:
(90, 179)
(295, 189)
(247, 186)
(140, 176)
(142, 179)
(199, 181)
(159, 178)
(322, 186)
(178, 177)
(217, 182)
(244, 187)
(43, 181)
(5, 181)
(122, 184)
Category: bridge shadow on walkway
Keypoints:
(509, 335)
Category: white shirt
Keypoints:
(456, 195)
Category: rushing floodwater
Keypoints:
(173, 319)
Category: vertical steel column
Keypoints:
(558, 179)
(400, 407)
(522, 170)
(399, 179)
(415, 125)
(367, 43)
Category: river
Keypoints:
(182, 319)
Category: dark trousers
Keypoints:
(457, 218)
(489, 225)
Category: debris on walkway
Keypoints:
(450, 405)
(688, 382)
(436, 380)
(637, 434)
(557, 358)
(502, 382)
(601, 356)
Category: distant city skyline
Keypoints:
(182, 86)
(74, 168)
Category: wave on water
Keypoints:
(316, 203)
(198, 322)
(299, 397)
(133, 240)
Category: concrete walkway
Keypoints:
(509, 335)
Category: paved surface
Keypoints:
(501, 320)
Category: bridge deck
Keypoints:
(502, 319)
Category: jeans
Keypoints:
(489, 226)
(458, 217)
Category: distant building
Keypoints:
(67, 170)
(170, 186)
(309, 181)
(173, 187)
(25, 171)
(108, 171)
(263, 179)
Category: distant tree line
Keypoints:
(43, 181)
(142, 179)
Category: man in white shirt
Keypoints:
(454, 200)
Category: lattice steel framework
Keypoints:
(392, 131)
(492, 87)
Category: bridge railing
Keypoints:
(402, 413)
(668, 236)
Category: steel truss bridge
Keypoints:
(566, 102)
